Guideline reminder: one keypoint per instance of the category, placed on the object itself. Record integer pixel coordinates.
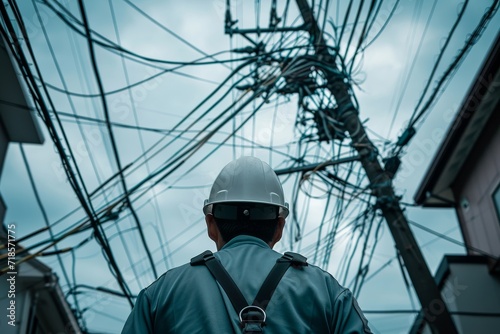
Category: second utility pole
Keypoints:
(434, 309)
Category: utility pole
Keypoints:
(435, 310)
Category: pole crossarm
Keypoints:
(435, 310)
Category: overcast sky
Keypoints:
(390, 76)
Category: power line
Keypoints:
(46, 221)
(141, 139)
(454, 241)
(17, 49)
(438, 60)
(111, 135)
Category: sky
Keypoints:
(388, 77)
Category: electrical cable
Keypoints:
(73, 108)
(384, 25)
(438, 60)
(47, 119)
(45, 217)
(344, 24)
(111, 135)
(67, 17)
(141, 139)
(454, 241)
(174, 157)
(412, 66)
(470, 41)
(362, 35)
(157, 23)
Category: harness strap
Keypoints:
(233, 292)
(222, 276)
(271, 282)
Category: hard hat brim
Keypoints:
(283, 209)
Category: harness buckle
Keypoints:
(252, 319)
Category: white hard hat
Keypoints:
(247, 180)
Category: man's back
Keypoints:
(187, 299)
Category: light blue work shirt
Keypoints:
(187, 299)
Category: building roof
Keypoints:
(482, 99)
(53, 311)
(16, 111)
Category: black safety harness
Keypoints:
(252, 317)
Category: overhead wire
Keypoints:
(112, 136)
(454, 241)
(352, 246)
(174, 158)
(384, 25)
(90, 120)
(440, 56)
(470, 41)
(17, 49)
(163, 27)
(354, 25)
(190, 152)
(140, 135)
(73, 23)
(363, 267)
(51, 243)
(186, 117)
(341, 230)
(408, 73)
(364, 270)
(70, 100)
(43, 229)
(362, 34)
(344, 25)
(80, 226)
(179, 161)
(450, 70)
(47, 119)
(46, 221)
(129, 86)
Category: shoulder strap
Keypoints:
(271, 282)
(220, 274)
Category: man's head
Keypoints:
(246, 198)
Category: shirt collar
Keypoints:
(245, 240)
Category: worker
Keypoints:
(219, 293)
